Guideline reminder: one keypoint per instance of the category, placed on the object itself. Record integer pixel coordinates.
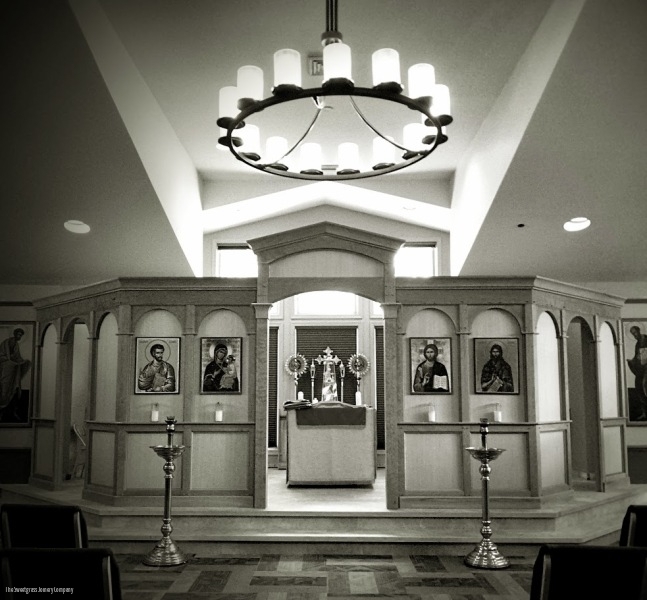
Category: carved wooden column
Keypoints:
(392, 404)
(261, 362)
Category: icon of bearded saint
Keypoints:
(496, 375)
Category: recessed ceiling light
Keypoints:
(76, 226)
(577, 224)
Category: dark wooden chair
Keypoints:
(91, 573)
(42, 526)
(634, 526)
(564, 572)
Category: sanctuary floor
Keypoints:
(287, 576)
(369, 498)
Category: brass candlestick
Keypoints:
(486, 554)
(166, 552)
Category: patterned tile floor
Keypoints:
(323, 576)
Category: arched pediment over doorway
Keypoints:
(325, 236)
(325, 251)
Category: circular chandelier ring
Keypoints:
(285, 94)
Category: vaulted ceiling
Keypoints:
(109, 116)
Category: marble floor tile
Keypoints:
(293, 576)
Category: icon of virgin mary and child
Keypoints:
(220, 375)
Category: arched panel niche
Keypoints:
(430, 326)
(608, 373)
(227, 327)
(48, 373)
(105, 407)
(157, 324)
(583, 400)
(80, 363)
(489, 327)
(547, 370)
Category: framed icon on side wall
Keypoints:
(635, 347)
(157, 365)
(430, 363)
(17, 351)
(221, 365)
(496, 365)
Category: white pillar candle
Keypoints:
(219, 412)
(422, 79)
(337, 62)
(300, 396)
(498, 416)
(386, 66)
(155, 413)
(432, 414)
(358, 398)
(287, 67)
(249, 82)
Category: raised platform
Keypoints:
(346, 515)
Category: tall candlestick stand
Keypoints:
(312, 381)
(342, 374)
(166, 552)
(485, 555)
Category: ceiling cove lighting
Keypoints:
(356, 158)
(577, 224)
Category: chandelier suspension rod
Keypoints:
(331, 15)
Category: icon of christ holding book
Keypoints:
(431, 375)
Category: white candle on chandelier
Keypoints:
(348, 156)
(250, 82)
(227, 107)
(383, 151)
(310, 157)
(275, 148)
(440, 104)
(251, 137)
(422, 78)
(386, 66)
(337, 62)
(287, 67)
(412, 135)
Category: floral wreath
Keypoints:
(296, 364)
(358, 365)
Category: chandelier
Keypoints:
(301, 159)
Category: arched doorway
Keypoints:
(308, 324)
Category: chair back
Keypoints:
(91, 573)
(42, 526)
(564, 572)
(634, 526)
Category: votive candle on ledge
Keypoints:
(431, 414)
(300, 396)
(219, 412)
(498, 415)
(155, 413)
(358, 398)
